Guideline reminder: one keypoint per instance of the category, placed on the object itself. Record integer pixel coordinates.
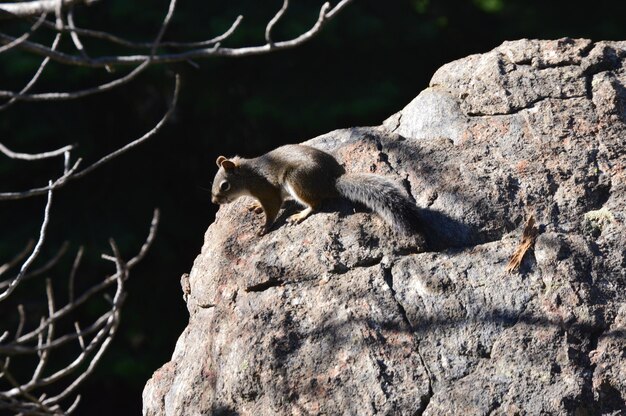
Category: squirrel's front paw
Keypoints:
(256, 207)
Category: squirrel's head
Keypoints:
(228, 184)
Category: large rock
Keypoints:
(340, 315)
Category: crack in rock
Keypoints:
(528, 106)
(263, 286)
(388, 278)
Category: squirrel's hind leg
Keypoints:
(300, 216)
(302, 198)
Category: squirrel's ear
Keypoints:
(220, 160)
(228, 164)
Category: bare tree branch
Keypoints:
(34, 401)
(73, 406)
(70, 284)
(16, 348)
(339, 7)
(20, 326)
(275, 19)
(89, 91)
(35, 77)
(99, 287)
(40, 191)
(145, 45)
(26, 265)
(72, 174)
(208, 42)
(58, 13)
(101, 88)
(49, 264)
(82, 93)
(58, 96)
(34, 156)
(41, 342)
(34, 8)
(138, 141)
(325, 15)
(70, 22)
(26, 35)
(164, 25)
(12, 263)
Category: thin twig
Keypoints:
(40, 191)
(207, 42)
(275, 19)
(75, 39)
(66, 161)
(34, 400)
(35, 156)
(92, 364)
(44, 354)
(12, 263)
(339, 7)
(325, 15)
(147, 243)
(146, 45)
(58, 13)
(81, 339)
(35, 77)
(17, 348)
(49, 264)
(70, 175)
(163, 28)
(68, 369)
(55, 96)
(72, 279)
(91, 352)
(20, 326)
(58, 96)
(111, 327)
(35, 252)
(71, 409)
(26, 35)
(138, 141)
(102, 285)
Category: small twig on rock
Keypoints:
(528, 241)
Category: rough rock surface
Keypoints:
(340, 315)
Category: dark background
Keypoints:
(367, 64)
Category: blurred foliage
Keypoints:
(490, 6)
(365, 66)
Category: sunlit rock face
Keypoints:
(341, 315)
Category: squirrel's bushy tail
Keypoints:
(383, 197)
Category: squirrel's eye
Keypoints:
(224, 186)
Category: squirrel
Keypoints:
(308, 175)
